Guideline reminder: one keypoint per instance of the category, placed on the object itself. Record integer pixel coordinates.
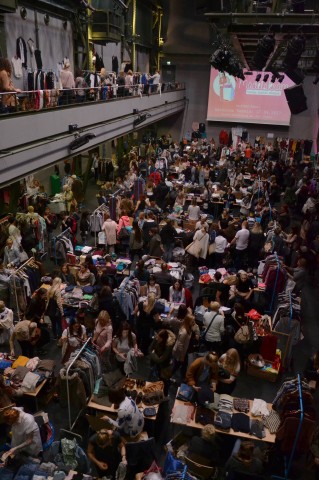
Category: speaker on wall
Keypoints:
(202, 127)
(296, 99)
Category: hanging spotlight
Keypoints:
(224, 59)
(273, 78)
(296, 47)
(264, 49)
(266, 77)
(281, 78)
(258, 77)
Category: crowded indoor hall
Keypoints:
(159, 240)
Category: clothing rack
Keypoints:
(100, 209)
(27, 262)
(292, 453)
(62, 234)
(71, 426)
(276, 281)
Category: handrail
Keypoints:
(97, 94)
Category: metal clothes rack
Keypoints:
(292, 453)
(100, 209)
(62, 234)
(71, 426)
(275, 286)
(27, 262)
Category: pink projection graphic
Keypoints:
(248, 101)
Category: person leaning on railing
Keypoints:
(6, 85)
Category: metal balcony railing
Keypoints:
(39, 100)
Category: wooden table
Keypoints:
(269, 438)
(112, 410)
(36, 392)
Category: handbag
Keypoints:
(203, 334)
(124, 234)
(186, 393)
(242, 335)
(153, 398)
(194, 249)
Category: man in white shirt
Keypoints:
(214, 324)
(156, 80)
(241, 240)
(26, 437)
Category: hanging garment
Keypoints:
(21, 51)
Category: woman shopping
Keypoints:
(73, 337)
(55, 307)
(102, 337)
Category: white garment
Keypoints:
(217, 327)
(30, 382)
(6, 324)
(242, 238)
(220, 244)
(17, 67)
(203, 240)
(24, 427)
(259, 408)
(156, 78)
(193, 212)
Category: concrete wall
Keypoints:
(55, 42)
(44, 137)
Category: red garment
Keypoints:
(156, 177)
(268, 347)
(188, 298)
(223, 137)
(248, 152)
(287, 433)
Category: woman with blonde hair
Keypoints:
(102, 337)
(182, 343)
(229, 368)
(54, 308)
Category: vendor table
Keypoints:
(103, 408)
(269, 438)
(36, 393)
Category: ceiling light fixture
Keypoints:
(264, 49)
(266, 77)
(258, 77)
(295, 48)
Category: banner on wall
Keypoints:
(248, 101)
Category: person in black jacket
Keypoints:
(256, 243)
(160, 195)
(168, 235)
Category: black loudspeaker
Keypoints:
(296, 99)
(295, 75)
(202, 127)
